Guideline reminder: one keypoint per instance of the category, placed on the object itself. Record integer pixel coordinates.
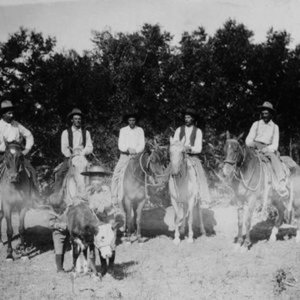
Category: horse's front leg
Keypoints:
(252, 201)
(129, 220)
(240, 212)
(22, 228)
(279, 220)
(1, 218)
(190, 223)
(202, 227)
(9, 232)
(139, 211)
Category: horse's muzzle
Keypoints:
(14, 178)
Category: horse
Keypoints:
(74, 183)
(251, 181)
(17, 192)
(143, 170)
(184, 190)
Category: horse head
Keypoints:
(156, 162)
(177, 155)
(234, 155)
(13, 160)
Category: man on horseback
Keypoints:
(74, 141)
(192, 137)
(131, 142)
(12, 131)
(264, 136)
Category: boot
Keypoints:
(59, 263)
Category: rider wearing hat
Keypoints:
(264, 136)
(74, 141)
(13, 131)
(131, 142)
(192, 137)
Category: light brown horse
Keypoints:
(17, 192)
(135, 185)
(251, 181)
(184, 191)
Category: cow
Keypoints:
(88, 231)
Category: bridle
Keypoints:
(238, 174)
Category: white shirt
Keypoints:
(131, 138)
(14, 131)
(267, 133)
(77, 142)
(197, 148)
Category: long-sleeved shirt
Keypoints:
(133, 138)
(266, 133)
(77, 142)
(14, 132)
(197, 148)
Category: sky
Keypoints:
(71, 21)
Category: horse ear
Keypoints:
(227, 135)
(239, 138)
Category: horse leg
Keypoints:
(1, 218)
(139, 211)
(251, 207)
(297, 217)
(9, 232)
(279, 220)
(179, 216)
(129, 220)
(190, 223)
(22, 229)
(240, 212)
(201, 223)
(264, 210)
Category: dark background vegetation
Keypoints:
(224, 77)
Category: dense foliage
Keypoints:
(224, 77)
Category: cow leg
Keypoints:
(139, 211)
(9, 232)
(86, 258)
(92, 259)
(103, 264)
(76, 252)
(279, 220)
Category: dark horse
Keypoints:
(143, 170)
(251, 182)
(17, 192)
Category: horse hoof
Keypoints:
(273, 235)
(9, 259)
(133, 238)
(96, 277)
(236, 248)
(176, 241)
(243, 249)
(190, 240)
(24, 258)
(298, 237)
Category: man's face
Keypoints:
(266, 116)
(189, 120)
(131, 122)
(76, 121)
(8, 116)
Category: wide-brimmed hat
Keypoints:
(191, 112)
(96, 170)
(75, 111)
(5, 106)
(267, 105)
(131, 114)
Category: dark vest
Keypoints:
(70, 137)
(192, 137)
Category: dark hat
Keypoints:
(190, 112)
(132, 114)
(267, 105)
(96, 170)
(75, 111)
(6, 105)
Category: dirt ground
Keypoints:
(157, 269)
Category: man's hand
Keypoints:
(188, 149)
(25, 152)
(131, 151)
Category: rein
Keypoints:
(238, 174)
